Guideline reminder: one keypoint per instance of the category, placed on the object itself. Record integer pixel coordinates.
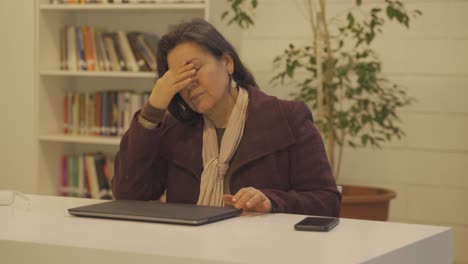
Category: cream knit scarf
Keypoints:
(216, 163)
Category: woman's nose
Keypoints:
(193, 85)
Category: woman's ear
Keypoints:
(229, 63)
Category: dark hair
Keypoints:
(209, 38)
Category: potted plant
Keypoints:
(341, 81)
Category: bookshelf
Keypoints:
(148, 75)
(52, 83)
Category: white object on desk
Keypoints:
(48, 232)
(7, 197)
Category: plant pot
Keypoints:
(368, 203)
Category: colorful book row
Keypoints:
(123, 1)
(102, 113)
(86, 48)
(87, 175)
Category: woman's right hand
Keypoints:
(173, 81)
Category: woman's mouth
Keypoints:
(196, 96)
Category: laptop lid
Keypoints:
(155, 211)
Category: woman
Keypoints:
(224, 141)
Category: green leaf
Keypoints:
(254, 3)
(351, 20)
(375, 10)
(390, 12)
(225, 13)
(290, 71)
(358, 2)
(277, 59)
(236, 3)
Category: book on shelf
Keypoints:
(89, 48)
(127, 53)
(82, 62)
(109, 47)
(101, 113)
(125, 1)
(70, 61)
(118, 50)
(86, 48)
(86, 175)
(102, 52)
(142, 63)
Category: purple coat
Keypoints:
(281, 153)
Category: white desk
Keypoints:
(46, 233)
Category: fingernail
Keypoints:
(234, 200)
(237, 206)
(248, 204)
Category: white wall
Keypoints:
(429, 168)
(17, 140)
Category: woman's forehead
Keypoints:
(185, 52)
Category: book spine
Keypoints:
(65, 114)
(146, 53)
(110, 49)
(63, 176)
(71, 48)
(115, 113)
(76, 114)
(88, 47)
(104, 187)
(104, 57)
(95, 51)
(127, 53)
(81, 113)
(80, 50)
(63, 49)
(80, 186)
(91, 115)
(132, 39)
(98, 111)
(92, 176)
(120, 118)
(151, 41)
(118, 51)
(86, 191)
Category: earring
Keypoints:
(232, 79)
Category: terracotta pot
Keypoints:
(368, 203)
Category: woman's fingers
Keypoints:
(183, 75)
(176, 75)
(249, 199)
(184, 68)
(239, 194)
(242, 202)
(264, 207)
(173, 81)
(227, 198)
(255, 200)
(181, 85)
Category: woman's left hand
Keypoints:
(249, 199)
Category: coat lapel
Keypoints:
(266, 131)
(185, 147)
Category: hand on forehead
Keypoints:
(185, 53)
(196, 61)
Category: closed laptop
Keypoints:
(155, 211)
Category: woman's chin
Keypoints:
(201, 109)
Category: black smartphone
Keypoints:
(322, 224)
